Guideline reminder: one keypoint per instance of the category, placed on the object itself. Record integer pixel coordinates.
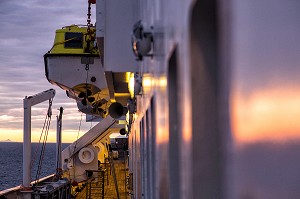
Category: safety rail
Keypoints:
(16, 192)
(106, 166)
(59, 189)
(10, 193)
(95, 185)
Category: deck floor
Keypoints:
(109, 185)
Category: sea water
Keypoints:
(11, 162)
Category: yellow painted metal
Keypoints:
(88, 41)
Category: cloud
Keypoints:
(27, 33)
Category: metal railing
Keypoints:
(95, 184)
(60, 189)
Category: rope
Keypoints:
(78, 133)
(37, 147)
(98, 97)
(61, 42)
(43, 151)
(76, 143)
(46, 128)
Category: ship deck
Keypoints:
(106, 189)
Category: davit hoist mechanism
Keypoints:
(75, 65)
(96, 67)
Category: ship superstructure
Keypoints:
(155, 72)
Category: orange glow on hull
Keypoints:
(270, 114)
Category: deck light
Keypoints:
(131, 85)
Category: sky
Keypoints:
(265, 94)
(27, 33)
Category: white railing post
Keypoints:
(27, 144)
(58, 139)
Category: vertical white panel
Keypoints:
(120, 17)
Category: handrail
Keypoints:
(90, 181)
(13, 189)
(19, 188)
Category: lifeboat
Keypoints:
(73, 63)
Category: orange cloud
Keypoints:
(16, 135)
(267, 114)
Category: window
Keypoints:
(75, 40)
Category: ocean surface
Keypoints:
(261, 170)
(11, 162)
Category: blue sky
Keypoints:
(27, 33)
